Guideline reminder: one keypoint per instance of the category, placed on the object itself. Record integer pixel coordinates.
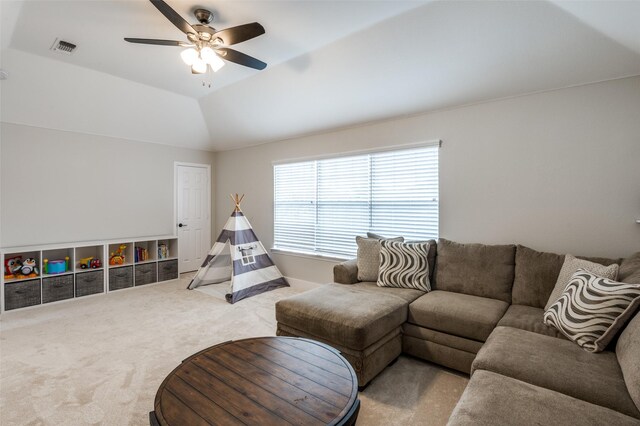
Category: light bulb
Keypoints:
(211, 57)
(199, 66)
(189, 56)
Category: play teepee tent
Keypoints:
(239, 257)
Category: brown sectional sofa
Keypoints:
(482, 317)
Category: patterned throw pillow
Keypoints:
(593, 309)
(404, 265)
(368, 258)
(570, 266)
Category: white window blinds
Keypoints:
(321, 205)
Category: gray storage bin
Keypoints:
(19, 294)
(120, 278)
(146, 273)
(57, 288)
(168, 270)
(90, 282)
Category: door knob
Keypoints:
(180, 225)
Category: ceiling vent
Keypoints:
(63, 46)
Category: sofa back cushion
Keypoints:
(431, 258)
(536, 274)
(630, 269)
(475, 269)
(627, 350)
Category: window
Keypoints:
(321, 205)
(246, 255)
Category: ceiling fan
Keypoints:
(206, 46)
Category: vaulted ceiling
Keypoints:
(330, 63)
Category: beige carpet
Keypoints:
(100, 360)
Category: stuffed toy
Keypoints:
(12, 265)
(29, 267)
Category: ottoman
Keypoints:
(362, 323)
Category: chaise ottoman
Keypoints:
(360, 320)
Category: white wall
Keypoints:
(59, 186)
(43, 92)
(557, 171)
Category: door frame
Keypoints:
(177, 164)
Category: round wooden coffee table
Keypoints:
(260, 381)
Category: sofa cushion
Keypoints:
(459, 314)
(406, 294)
(558, 365)
(628, 354)
(343, 314)
(630, 269)
(570, 266)
(404, 265)
(475, 269)
(592, 310)
(530, 319)
(491, 399)
(536, 274)
(368, 257)
(445, 339)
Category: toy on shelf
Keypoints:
(11, 264)
(29, 267)
(21, 269)
(163, 251)
(90, 262)
(56, 266)
(118, 257)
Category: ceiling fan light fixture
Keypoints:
(210, 57)
(189, 56)
(206, 46)
(199, 66)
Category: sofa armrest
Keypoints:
(346, 272)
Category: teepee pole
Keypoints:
(236, 200)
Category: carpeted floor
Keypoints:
(100, 360)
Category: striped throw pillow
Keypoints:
(593, 309)
(404, 265)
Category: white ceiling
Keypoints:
(98, 28)
(331, 63)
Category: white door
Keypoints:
(193, 214)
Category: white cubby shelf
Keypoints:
(67, 271)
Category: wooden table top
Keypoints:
(265, 381)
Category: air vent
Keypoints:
(63, 47)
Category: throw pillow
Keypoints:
(376, 236)
(404, 265)
(570, 266)
(368, 258)
(593, 309)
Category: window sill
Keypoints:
(314, 256)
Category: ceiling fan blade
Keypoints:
(240, 33)
(240, 58)
(158, 42)
(173, 16)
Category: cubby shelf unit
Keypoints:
(146, 260)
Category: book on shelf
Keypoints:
(141, 254)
